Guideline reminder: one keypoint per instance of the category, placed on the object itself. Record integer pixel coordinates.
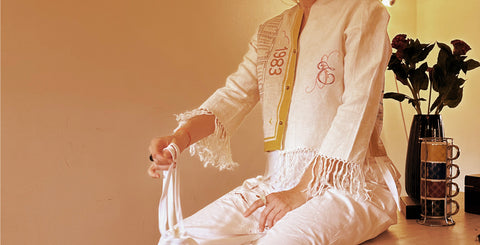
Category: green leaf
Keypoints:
(471, 64)
(419, 78)
(415, 101)
(396, 96)
(454, 97)
(399, 69)
(424, 52)
(445, 47)
(437, 77)
(453, 65)
(442, 58)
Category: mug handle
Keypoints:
(457, 208)
(451, 184)
(451, 169)
(458, 152)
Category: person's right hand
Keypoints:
(161, 157)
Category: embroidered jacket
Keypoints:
(321, 93)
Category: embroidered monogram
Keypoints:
(325, 76)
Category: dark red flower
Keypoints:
(399, 55)
(400, 42)
(460, 47)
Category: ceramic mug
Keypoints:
(438, 149)
(439, 170)
(438, 189)
(439, 208)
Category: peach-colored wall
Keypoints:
(403, 19)
(85, 86)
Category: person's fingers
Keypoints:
(257, 204)
(150, 171)
(263, 218)
(271, 217)
(166, 154)
(153, 171)
(157, 150)
(279, 216)
(161, 168)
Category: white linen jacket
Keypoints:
(321, 93)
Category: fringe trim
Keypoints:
(348, 177)
(290, 166)
(214, 149)
(327, 172)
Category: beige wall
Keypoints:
(86, 84)
(403, 19)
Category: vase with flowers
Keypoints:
(443, 78)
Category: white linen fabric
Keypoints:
(321, 94)
(170, 219)
(332, 218)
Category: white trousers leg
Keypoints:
(332, 218)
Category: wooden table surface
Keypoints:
(407, 231)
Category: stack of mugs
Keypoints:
(436, 186)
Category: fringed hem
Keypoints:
(348, 177)
(289, 167)
(214, 149)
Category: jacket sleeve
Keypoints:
(367, 50)
(341, 163)
(230, 104)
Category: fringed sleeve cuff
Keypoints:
(214, 149)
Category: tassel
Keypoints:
(214, 149)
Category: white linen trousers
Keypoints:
(334, 217)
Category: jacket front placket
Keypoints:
(276, 142)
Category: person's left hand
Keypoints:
(277, 205)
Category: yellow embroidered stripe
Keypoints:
(276, 143)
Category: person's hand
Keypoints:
(276, 206)
(161, 157)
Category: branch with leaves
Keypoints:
(443, 77)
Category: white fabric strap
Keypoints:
(385, 166)
(170, 219)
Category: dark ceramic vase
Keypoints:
(422, 126)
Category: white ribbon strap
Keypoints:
(170, 219)
(389, 179)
